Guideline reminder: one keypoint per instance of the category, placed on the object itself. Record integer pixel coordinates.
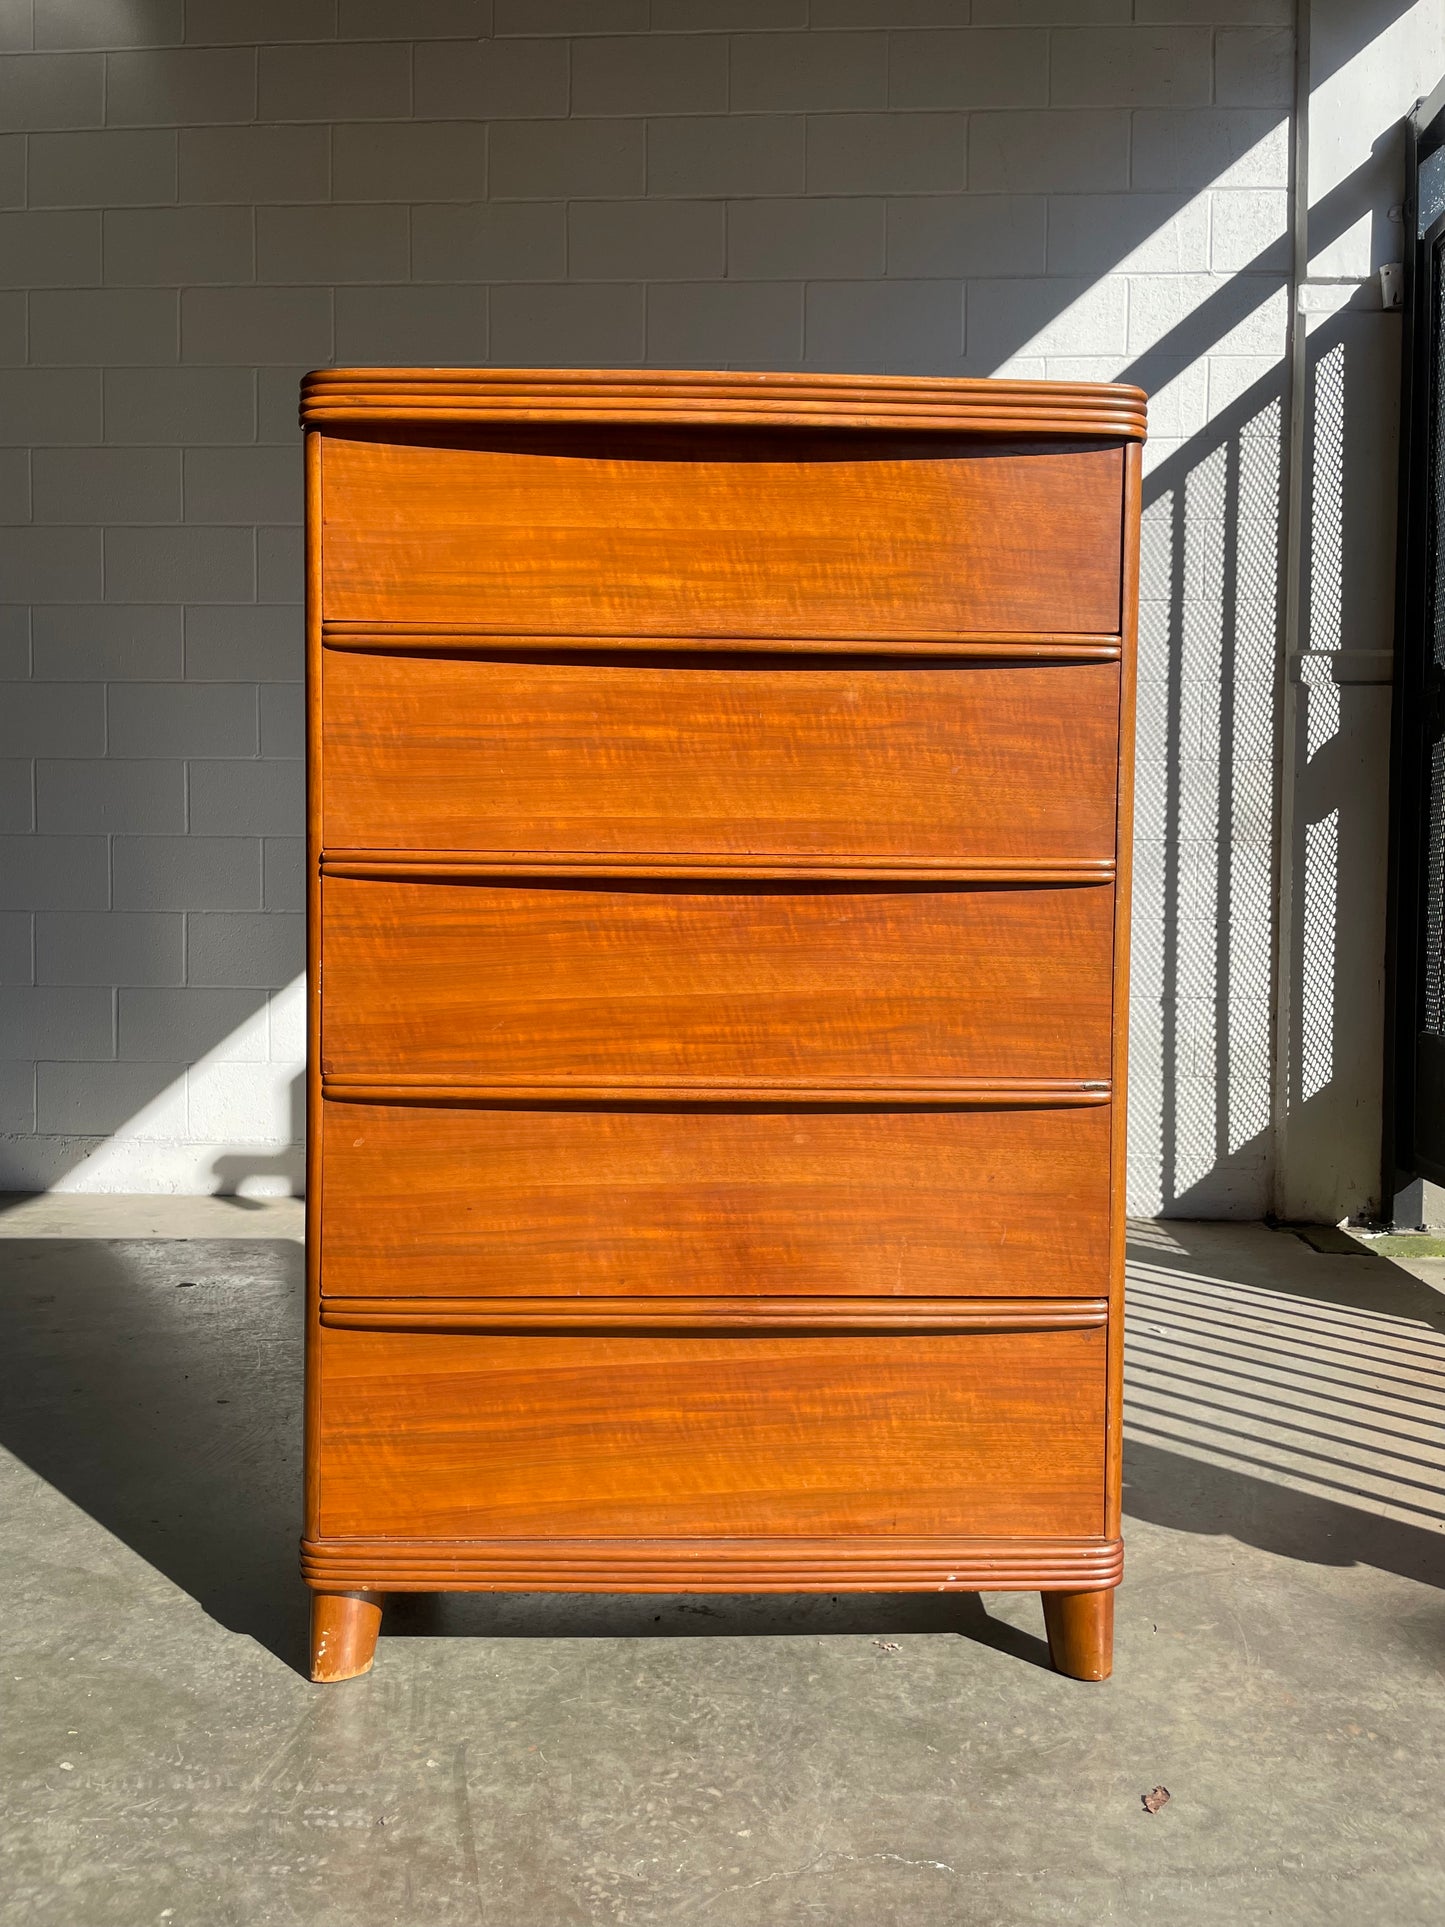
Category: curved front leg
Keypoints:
(1080, 1626)
(344, 1626)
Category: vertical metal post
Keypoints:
(1286, 733)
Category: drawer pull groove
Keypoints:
(733, 1315)
(446, 866)
(376, 637)
(398, 1088)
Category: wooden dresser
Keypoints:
(719, 794)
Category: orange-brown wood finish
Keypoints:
(700, 1312)
(631, 532)
(880, 1562)
(344, 1626)
(725, 1436)
(429, 397)
(1080, 1628)
(556, 982)
(718, 832)
(741, 758)
(444, 1200)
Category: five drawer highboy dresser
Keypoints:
(719, 798)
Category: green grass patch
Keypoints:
(1407, 1244)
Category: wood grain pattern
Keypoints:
(336, 396)
(344, 1626)
(315, 751)
(634, 532)
(756, 758)
(652, 981)
(1119, 1149)
(719, 848)
(472, 866)
(881, 1563)
(792, 1093)
(484, 1437)
(1080, 1626)
(400, 638)
(431, 1202)
(816, 1314)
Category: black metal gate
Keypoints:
(1415, 1057)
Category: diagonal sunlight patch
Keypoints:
(1320, 1395)
(231, 1123)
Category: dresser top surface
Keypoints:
(338, 396)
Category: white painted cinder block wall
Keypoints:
(206, 197)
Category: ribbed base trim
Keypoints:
(713, 1565)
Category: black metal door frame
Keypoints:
(1414, 1109)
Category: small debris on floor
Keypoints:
(1157, 1797)
(887, 1645)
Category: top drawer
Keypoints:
(720, 533)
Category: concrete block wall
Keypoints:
(202, 198)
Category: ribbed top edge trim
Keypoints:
(336, 395)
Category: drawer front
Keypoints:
(456, 1201)
(498, 983)
(945, 760)
(426, 1436)
(660, 532)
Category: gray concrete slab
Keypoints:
(532, 1762)
(98, 1214)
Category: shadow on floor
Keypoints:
(157, 1385)
(1286, 1398)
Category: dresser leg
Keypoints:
(1080, 1626)
(344, 1626)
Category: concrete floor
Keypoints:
(534, 1762)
